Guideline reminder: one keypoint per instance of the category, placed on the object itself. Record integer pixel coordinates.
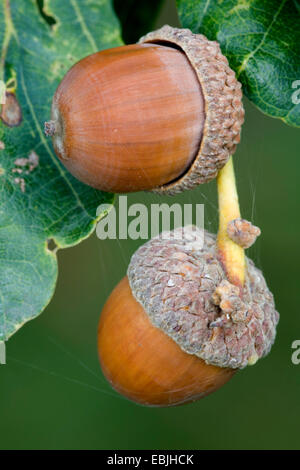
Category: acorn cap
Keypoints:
(182, 287)
(224, 112)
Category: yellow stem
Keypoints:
(231, 255)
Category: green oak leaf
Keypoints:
(39, 199)
(261, 39)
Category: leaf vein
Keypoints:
(251, 55)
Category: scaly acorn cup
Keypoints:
(161, 115)
(188, 314)
(175, 329)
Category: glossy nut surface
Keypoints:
(143, 363)
(129, 118)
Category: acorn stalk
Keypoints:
(231, 254)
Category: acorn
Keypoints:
(161, 115)
(175, 329)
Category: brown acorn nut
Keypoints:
(175, 330)
(162, 115)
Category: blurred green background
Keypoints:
(52, 392)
